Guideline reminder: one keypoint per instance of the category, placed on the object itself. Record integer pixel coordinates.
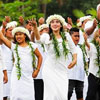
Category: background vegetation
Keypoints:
(44, 8)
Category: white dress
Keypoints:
(23, 89)
(55, 75)
(1, 74)
(8, 60)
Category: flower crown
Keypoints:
(20, 29)
(55, 16)
(11, 24)
(41, 27)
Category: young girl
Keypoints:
(24, 66)
(57, 60)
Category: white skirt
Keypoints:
(22, 89)
(1, 84)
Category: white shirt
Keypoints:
(93, 68)
(77, 72)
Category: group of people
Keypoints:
(48, 60)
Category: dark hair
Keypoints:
(27, 39)
(72, 30)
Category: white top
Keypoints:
(25, 57)
(93, 68)
(8, 57)
(2, 65)
(81, 41)
(77, 72)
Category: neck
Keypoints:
(23, 44)
(57, 34)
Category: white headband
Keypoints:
(11, 24)
(41, 27)
(20, 29)
(55, 16)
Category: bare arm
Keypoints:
(39, 56)
(90, 30)
(5, 40)
(72, 64)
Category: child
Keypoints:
(22, 87)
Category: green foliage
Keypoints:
(78, 13)
(28, 9)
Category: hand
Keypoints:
(5, 78)
(7, 19)
(34, 22)
(69, 20)
(21, 20)
(41, 21)
(94, 23)
(35, 73)
(4, 23)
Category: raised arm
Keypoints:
(5, 40)
(39, 56)
(36, 32)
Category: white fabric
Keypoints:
(23, 89)
(8, 60)
(93, 68)
(81, 41)
(77, 72)
(55, 75)
(1, 74)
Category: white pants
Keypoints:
(1, 84)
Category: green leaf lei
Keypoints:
(42, 45)
(18, 63)
(97, 60)
(56, 46)
(65, 50)
(82, 46)
(18, 60)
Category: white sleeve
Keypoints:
(34, 45)
(13, 46)
(71, 43)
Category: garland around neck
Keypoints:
(18, 68)
(56, 45)
(97, 60)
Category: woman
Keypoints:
(55, 66)
(24, 51)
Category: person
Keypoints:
(55, 66)
(41, 21)
(8, 58)
(93, 49)
(77, 73)
(24, 66)
(3, 73)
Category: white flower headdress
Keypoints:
(55, 16)
(11, 24)
(98, 6)
(20, 29)
(41, 27)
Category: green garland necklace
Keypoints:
(18, 59)
(97, 60)
(82, 46)
(56, 46)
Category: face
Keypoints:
(29, 26)
(55, 25)
(20, 37)
(45, 30)
(8, 33)
(75, 37)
